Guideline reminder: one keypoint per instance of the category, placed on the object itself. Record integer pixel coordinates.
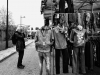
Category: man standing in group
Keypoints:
(43, 44)
(78, 38)
(60, 45)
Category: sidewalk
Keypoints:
(8, 52)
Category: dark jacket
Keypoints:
(20, 43)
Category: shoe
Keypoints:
(20, 67)
(23, 65)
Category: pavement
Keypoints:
(10, 51)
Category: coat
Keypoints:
(20, 42)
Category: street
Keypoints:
(30, 60)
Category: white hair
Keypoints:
(19, 28)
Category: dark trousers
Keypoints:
(89, 55)
(78, 60)
(70, 54)
(98, 52)
(64, 59)
(20, 58)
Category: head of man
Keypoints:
(19, 29)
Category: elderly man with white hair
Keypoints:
(78, 38)
(20, 45)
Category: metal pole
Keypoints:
(7, 27)
(21, 19)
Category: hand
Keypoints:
(49, 44)
(71, 41)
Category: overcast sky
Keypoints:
(28, 8)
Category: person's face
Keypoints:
(21, 30)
